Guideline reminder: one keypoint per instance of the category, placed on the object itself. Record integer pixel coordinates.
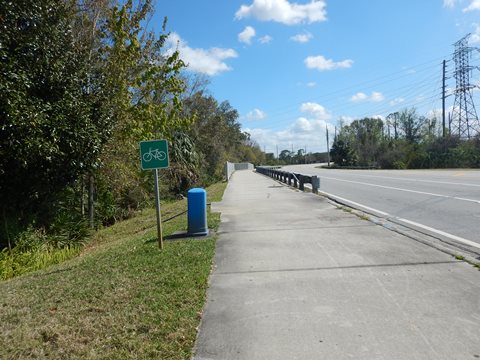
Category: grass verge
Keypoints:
(121, 298)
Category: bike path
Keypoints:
(297, 278)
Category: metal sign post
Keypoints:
(154, 156)
(159, 215)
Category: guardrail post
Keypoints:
(315, 184)
(301, 186)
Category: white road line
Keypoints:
(417, 180)
(443, 233)
(405, 190)
(356, 204)
(435, 231)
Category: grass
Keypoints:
(120, 298)
(14, 263)
(364, 217)
(346, 209)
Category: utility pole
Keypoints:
(277, 152)
(395, 125)
(443, 96)
(328, 147)
(464, 117)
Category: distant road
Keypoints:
(445, 200)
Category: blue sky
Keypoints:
(293, 68)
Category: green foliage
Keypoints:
(217, 135)
(33, 251)
(413, 143)
(145, 84)
(52, 129)
(342, 154)
(142, 77)
(183, 173)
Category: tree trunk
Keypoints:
(82, 196)
(91, 209)
(7, 234)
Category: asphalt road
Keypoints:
(447, 201)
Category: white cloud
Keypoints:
(209, 62)
(360, 96)
(316, 110)
(397, 101)
(284, 12)
(474, 5)
(475, 38)
(304, 131)
(247, 35)
(374, 97)
(301, 133)
(345, 120)
(311, 84)
(437, 114)
(377, 96)
(322, 64)
(256, 114)
(265, 39)
(302, 38)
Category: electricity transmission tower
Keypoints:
(465, 122)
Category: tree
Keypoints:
(366, 136)
(48, 134)
(410, 125)
(217, 134)
(144, 83)
(285, 156)
(342, 154)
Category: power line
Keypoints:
(408, 91)
(380, 80)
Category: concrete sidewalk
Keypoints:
(297, 278)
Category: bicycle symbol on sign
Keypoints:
(154, 154)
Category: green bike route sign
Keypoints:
(154, 154)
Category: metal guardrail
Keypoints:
(292, 179)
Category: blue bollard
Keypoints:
(197, 212)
